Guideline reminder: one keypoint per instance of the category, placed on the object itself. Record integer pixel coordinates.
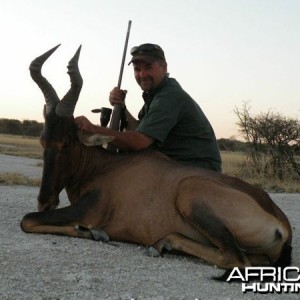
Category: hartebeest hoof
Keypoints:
(152, 252)
(98, 235)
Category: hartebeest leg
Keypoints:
(69, 221)
(214, 256)
(31, 223)
(195, 208)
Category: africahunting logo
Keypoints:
(264, 280)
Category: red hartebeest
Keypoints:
(147, 198)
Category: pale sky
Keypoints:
(222, 52)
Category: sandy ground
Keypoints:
(53, 267)
(27, 166)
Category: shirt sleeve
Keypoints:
(162, 116)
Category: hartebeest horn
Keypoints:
(36, 74)
(66, 106)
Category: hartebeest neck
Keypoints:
(86, 164)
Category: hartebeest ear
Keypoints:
(94, 139)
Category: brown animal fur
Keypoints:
(147, 198)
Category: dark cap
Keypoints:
(148, 53)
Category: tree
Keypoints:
(16, 127)
(10, 126)
(31, 128)
(273, 140)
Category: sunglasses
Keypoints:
(145, 48)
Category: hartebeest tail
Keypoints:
(149, 199)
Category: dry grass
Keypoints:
(20, 146)
(18, 179)
(232, 162)
(235, 164)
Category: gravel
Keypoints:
(54, 267)
(29, 167)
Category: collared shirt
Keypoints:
(178, 126)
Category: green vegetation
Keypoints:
(16, 127)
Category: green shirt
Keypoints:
(179, 127)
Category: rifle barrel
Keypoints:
(124, 54)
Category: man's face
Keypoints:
(149, 75)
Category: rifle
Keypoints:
(117, 111)
(117, 120)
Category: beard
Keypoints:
(146, 84)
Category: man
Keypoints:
(170, 120)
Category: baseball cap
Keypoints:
(147, 52)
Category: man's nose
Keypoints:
(143, 74)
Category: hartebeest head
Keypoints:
(59, 130)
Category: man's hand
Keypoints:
(117, 96)
(84, 124)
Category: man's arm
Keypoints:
(132, 123)
(125, 141)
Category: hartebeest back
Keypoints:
(147, 198)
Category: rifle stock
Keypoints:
(116, 117)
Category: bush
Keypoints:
(273, 141)
(232, 145)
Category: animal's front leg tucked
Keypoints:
(31, 223)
